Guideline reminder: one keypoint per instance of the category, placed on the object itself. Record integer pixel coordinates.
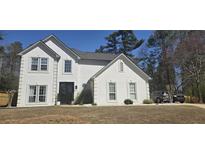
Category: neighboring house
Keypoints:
(51, 72)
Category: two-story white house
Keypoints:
(52, 72)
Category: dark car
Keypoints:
(178, 98)
(160, 97)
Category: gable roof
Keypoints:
(75, 52)
(60, 44)
(43, 46)
(95, 55)
(127, 61)
(80, 54)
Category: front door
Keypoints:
(66, 92)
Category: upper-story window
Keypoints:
(67, 66)
(34, 64)
(44, 64)
(121, 66)
(39, 64)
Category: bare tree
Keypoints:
(190, 59)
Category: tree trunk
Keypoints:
(199, 92)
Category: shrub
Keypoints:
(81, 103)
(148, 101)
(128, 101)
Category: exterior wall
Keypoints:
(65, 77)
(28, 77)
(82, 71)
(122, 80)
(87, 68)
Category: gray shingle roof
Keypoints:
(95, 56)
(43, 46)
(128, 62)
(81, 54)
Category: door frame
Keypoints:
(70, 83)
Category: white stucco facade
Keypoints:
(121, 80)
(28, 77)
(82, 71)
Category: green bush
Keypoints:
(81, 103)
(128, 101)
(148, 101)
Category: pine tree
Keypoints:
(163, 41)
(122, 41)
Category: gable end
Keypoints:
(44, 47)
(61, 45)
(129, 63)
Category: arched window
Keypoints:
(121, 67)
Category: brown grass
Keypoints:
(153, 114)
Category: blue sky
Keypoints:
(85, 40)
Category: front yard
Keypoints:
(150, 114)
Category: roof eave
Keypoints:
(53, 53)
(63, 44)
(147, 77)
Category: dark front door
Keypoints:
(66, 92)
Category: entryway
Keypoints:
(66, 92)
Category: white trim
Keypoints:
(46, 64)
(62, 44)
(145, 76)
(119, 66)
(37, 95)
(39, 65)
(108, 92)
(67, 73)
(30, 47)
(130, 92)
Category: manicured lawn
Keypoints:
(153, 114)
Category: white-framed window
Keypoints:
(37, 93)
(32, 94)
(44, 64)
(34, 64)
(121, 66)
(67, 66)
(39, 64)
(112, 91)
(42, 94)
(132, 90)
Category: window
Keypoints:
(112, 91)
(32, 94)
(44, 64)
(39, 64)
(37, 94)
(132, 87)
(121, 67)
(67, 66)
(42, 93)
(34, 64)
